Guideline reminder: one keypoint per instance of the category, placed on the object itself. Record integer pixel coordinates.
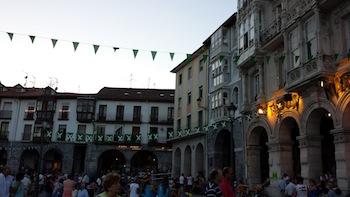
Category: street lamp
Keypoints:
(232, 112)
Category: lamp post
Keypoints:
(232, 117)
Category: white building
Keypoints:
(117, 128)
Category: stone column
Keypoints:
(67, 160)
(245, 89)
(261, 94)
(310, 156)
(253, 165)
(342, 157)
(91, 160)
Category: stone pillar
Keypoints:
(91, 160)
(245, 89)
(342, 157)
(67, 160)
(310, 156)
(253, 165)
(261, 94)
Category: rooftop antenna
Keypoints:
(149, 81)
(26, 79)
(131, 80)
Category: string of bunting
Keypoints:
(97, 46)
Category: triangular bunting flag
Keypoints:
(96, 48)
(189, 56)
(236, 58)
(267, 59)
(336, 56)
(32, 38)
(154, 53)
(221, 58)
(205, 57)
(54, 41)
(115, 48)
(135, 51)
(172, 56)
(75, 45)
(296, 58)
(10, 35)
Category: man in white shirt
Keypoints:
(182, 180)
(26, 182)
(134, 188)
(189, 182)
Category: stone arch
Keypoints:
(260, 122)
(199, 159)
(223, 149)
(144, 159)
(187, 161)
(111, 160)
(321, 103)
(53, 160)
(286, 114)
(177, 162)
(321, 156)
(29, 160)
(289, 152)
(258, 156)
(343, 109)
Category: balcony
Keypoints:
(153, 120)
(4, 135)
(45, 116)
(63, 116)
(85, 117)
(305, 73)
(43, 137)
(5, 114)
(270, 32)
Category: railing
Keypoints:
(5, 114)
(43, 136)
(85, 117)
(45, 115)
(303, 73)
(270, 31)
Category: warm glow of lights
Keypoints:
(329, 115)
(261, 111)
(322, 84)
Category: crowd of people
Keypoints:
(220, 183)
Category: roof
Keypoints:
(229, 22)
(106, 93)
(186, 61)
(131, 94)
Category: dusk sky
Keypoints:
(178, 26)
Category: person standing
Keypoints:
(212, 189)
(182, 181)
(111, 185)
(17, 187)
(68, 186)
(226, 183)
(301, 189)
(189, 183)
(82, 192)
(290, 190)
(5, 182)
(134, 188)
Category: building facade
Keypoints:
(115, 129)
(191, 99)
(294, 63)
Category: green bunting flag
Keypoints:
(10, 35)
(135, 51)
(96, 48)
(75, 45)
(172, 56)
(268, 59)
(154, 53)
(115, 48)
(336, 56)
(236, 58)
(221, 58)
(189, 56)
(296, 58)
(32, 38)
(54, 41)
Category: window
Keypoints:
(85, 106)
(189, 122)
(170, 114)
(135, 131)
(201, 64)
(45, 106)
(216, 39)
(180, 79)
(310, 31)
(81, 129)
(154, 114)
(295, 53)
(178, 125)
(119, 131)
(153, 130)
(120, 113)
(200, 91)
(137, 113)
(235, 96)
(189, 98)
(200, 119)
(4, 129)
(189, 73)
(246, 33)
(37, 131)
(62, 129)
(64, 112)
(29, 113)
(7, 106)
(179, 100)
(27, 133)
(102, 112)
(100, 130)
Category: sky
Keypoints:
(178, 26)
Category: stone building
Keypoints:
(294, 63)
(191, 100)
(117, 128)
